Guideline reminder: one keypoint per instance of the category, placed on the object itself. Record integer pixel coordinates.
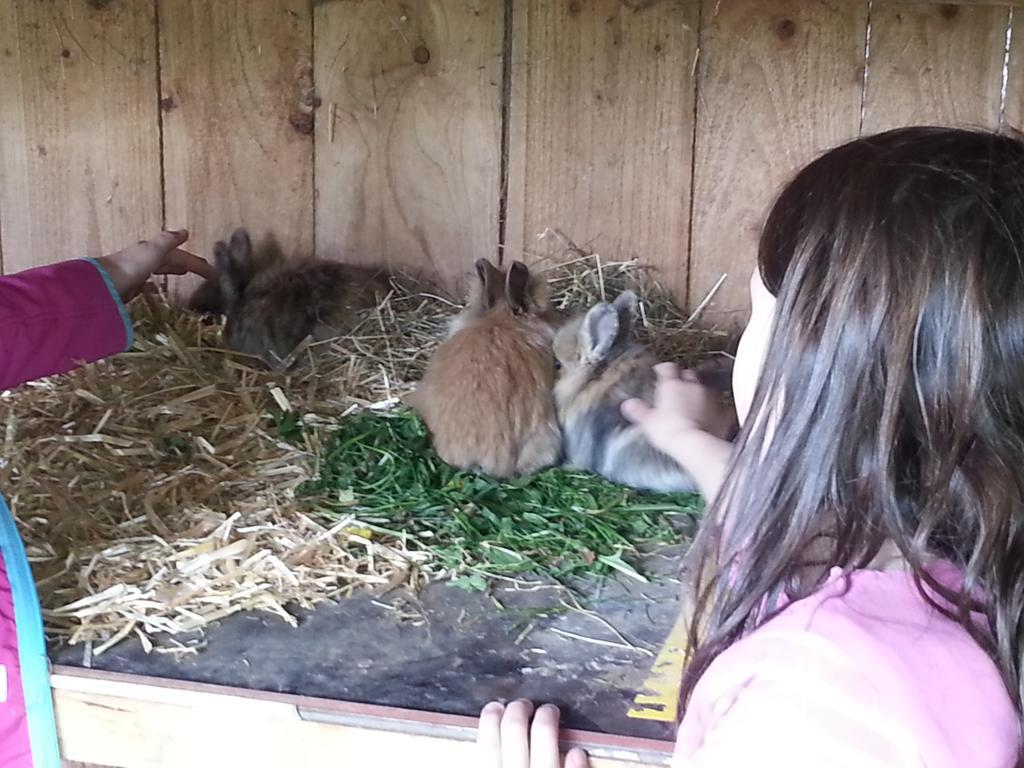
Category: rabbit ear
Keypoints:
(490, 283)
(241, 248)
(625, 304)
(269, 252)
(599, 331)
(516, 283)
(234, 266)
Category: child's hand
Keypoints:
(507, 739)
(681, 405)
(688, 422)
(160, 255)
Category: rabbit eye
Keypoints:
(558, 364)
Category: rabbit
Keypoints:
(600, 367)
(206, 300)
(271, 306)
(486, 396)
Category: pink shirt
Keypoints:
(870, 678)
(51, 318)
(55, 317)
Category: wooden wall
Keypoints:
(426, 134)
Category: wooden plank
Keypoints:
(124, 720)
(941, 65)
(408, 160)
(658, 698)
(1004, 3)
(796, 69)
(237, 99)
(601, 129)
(1013, 113)
(79, 133)
(120, 732)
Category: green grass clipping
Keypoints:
(553, 526)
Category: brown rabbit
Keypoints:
(486, 396)
(271, 306)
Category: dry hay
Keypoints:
(579, 277)
(155, 492)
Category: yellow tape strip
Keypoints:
(659, 697)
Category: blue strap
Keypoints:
(28, 625)
(129, 329)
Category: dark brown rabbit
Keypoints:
(486, 396)
(271, 305)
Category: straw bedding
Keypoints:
(157, 491)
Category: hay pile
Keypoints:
(579, 277)
(156, 492)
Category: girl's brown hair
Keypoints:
(890, 407)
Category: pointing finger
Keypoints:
(180, 262)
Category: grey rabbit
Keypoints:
(272, 305)
(602, 366)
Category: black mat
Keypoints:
(444, 650)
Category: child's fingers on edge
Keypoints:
(577, 758)
(515, 725)
(544, 738)
(488, 735)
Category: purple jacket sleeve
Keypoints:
(56, 317)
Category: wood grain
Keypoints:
(136, 722)
(1004, 3)
(237, 99)
(601, 129)
(408, 140)
(123, 733)
(79, 134)
(935, 64)
(1013, 112)
(778, 84)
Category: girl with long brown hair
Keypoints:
(859, 596)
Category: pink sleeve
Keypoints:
(56, 317)
(794, 701)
